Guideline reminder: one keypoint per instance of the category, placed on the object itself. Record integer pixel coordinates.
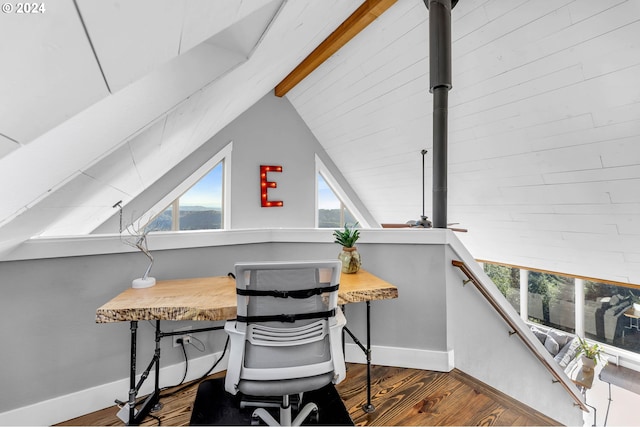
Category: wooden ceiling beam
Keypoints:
(363, 16)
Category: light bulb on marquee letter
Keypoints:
(265, 185)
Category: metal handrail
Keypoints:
(516, 331)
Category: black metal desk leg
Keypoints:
(157, 406)
(344, 337)
(135, 418)
(368, 408)
(132, 371)
(152, 402)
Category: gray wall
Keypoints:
(485, 349)
(52, 345)
(417, 318)
(269, 133)
(48, 306)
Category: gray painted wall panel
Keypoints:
(49, 308)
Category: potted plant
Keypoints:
(350, 257)
(591, 354)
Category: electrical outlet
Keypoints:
(185, 337)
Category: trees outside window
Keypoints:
(607, 309)
(507, 279)
(332, 213)
(556, 294)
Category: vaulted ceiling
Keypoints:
(100, 99)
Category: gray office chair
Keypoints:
(287, 336)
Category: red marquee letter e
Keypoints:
(265, 185)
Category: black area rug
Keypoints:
(214, 406)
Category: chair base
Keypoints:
(269, 401)
(285, 414)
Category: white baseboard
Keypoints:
(431, 360)
(63, 408)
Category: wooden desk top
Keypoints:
(632, 312)
(214, 298)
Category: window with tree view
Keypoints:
(507, 279)
(552, 300)
(332, 213)
(603, 312)
(199, 208)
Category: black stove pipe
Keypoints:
(440, 84)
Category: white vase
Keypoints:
(636, 306)
(587, 363)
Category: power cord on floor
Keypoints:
(155, 418)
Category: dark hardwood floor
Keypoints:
(401, 397)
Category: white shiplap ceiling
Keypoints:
(544, 127)
(100, 99)
(118, 105)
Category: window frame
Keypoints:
(172, 198)
(345, 202)
(579, 283)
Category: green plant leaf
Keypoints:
(591, 351)
(347, 237)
